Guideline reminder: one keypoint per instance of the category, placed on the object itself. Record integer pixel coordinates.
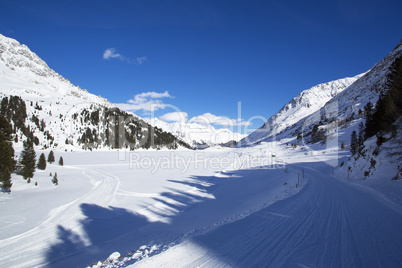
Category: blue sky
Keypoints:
(204, 56)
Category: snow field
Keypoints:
(104, 204)
(327, 224)
(216, 207)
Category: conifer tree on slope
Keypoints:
(61, 161)
(28, 160)
(42, 162)
(6, 181)
(55, 180)
(50, 157)
(7, 162)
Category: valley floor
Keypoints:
(327, 224)
(211, 208)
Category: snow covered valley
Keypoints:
(318, 185)
(210, 208)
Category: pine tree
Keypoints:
(7, 156)
(55, 180)
(369, 110)
(42, 162)
(50, 157)
(61, 161)
(7, 162)
(4, 105)
(342, 145)
(353, 143)
(28, 160)
(6, 181)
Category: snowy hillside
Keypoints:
(60, 114)
(198, 135)
(306, 103)
(366, 89)
(24, 73)
(329, 128)
(319, 106)
(346, 109)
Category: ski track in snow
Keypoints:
(327, 224)
(23, 246)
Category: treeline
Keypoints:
(14, 109)
(98, 127)
(118, 129)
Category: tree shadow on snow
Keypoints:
(105, 230)
(321, 226)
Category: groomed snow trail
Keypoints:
(327, 224)
(23, 251)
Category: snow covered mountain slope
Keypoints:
(329, 129)
(23, 73)
(57, 114)
(306, 103)
(347, 108)
(368, 88)
(198, 135)
(338, 100)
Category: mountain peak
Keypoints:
(25, 73)
(16, 55)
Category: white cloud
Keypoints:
(146, 101)
(174, 117)
(211, 119)
(149, 95)
(110, 53)
(141, 60)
